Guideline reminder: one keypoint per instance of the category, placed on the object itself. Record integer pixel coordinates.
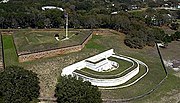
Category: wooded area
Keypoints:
(90, 14)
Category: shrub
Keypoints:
(18, 85)
(71, 90)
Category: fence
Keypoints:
(148, 92)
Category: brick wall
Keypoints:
(51, 53)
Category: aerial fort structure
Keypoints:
(96, 68)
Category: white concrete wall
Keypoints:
(105, 82)
(115, 81)
(103, 65)
(110, 82)
(102, 55)
(69, 69)
(82, 64)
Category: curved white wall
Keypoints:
(77, 66)
(105, 82)
(110, 82)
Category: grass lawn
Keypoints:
(168, 92)
(49, 69)
(33, 41)
(94, 44)
(121, 71)
(10, 56)
(144, 85)
(141, 72)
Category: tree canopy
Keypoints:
(18, 85)
(90, 14)
(71, 90)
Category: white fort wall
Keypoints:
(103, 65)
(82, 64)
(109, 82)
(103, 82)
(70, 69)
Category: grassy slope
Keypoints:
(9, 51)
(50, 68)
(94, 44)
(168, 92)
(144, 85)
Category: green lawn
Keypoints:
(49, 69)
(154, 76)
(109, 75)
(141, 72)
(94, 43)
(10, 56)
(168, 92)
(33, 41)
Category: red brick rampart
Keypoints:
(54, 52)
(58, 51)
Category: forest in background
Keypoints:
(141, 27)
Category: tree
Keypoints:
(47, 23)
(1, 22)
(174, 26)
(178, 14)
(176, 35)
(18, 85)
(71, 90)
(167, 38)
(152, 4)
(136, 39)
